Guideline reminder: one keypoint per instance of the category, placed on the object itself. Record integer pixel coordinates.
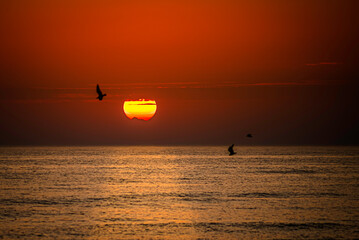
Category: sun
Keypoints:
(143, 109)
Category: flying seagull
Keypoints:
(249, 135)
(100, 95)
(230, 150)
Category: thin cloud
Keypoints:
(73, 96)
(322, 63)
(72, 92)
(301, 83)
(55, 95)
(329, 63)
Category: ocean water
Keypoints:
(179, 193)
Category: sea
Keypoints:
(179, 192)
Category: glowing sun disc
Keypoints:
(141, 109)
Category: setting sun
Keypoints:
(141, 109)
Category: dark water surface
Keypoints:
(179, 193)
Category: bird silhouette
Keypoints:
(249, 135)
(230, 150)
(100, 95)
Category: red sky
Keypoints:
(285, 71)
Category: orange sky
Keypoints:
(284, 70)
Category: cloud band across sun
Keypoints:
(143, 109)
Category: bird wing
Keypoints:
(230, 149)
(98, 90)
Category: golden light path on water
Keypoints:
(143, 109)
(148, 192)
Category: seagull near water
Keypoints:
(100, 95)
(230, 150)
